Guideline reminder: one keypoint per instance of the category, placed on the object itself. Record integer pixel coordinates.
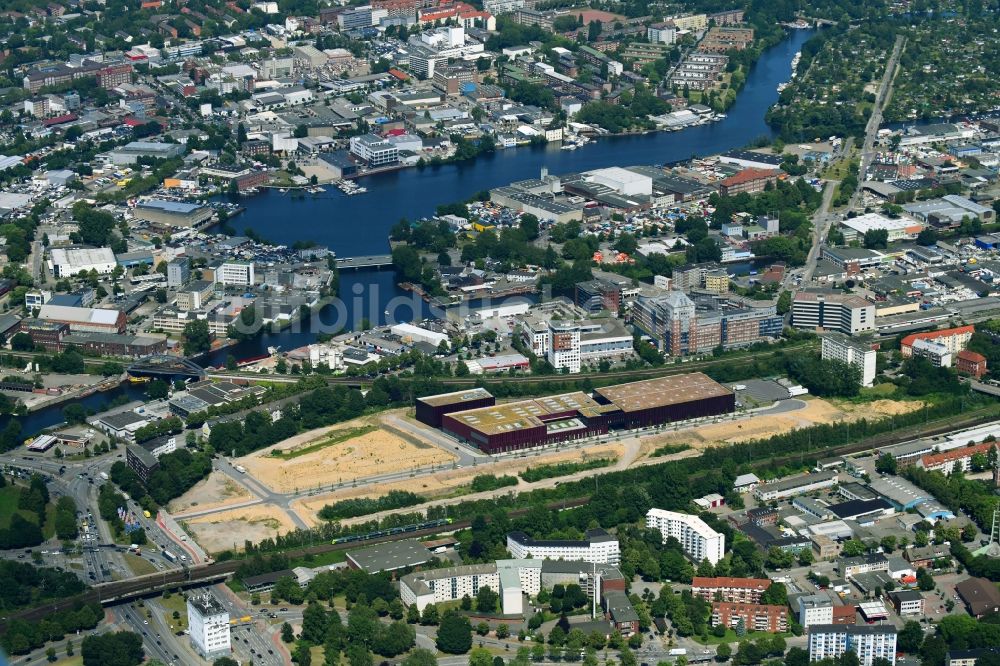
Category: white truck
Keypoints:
(170, 556)
(678, 652)
(104, 476)
(240, 468)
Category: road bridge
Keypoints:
(164, 365)
(370, 261)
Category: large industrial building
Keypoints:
(527, 423)
(431, 408)
(172, 213)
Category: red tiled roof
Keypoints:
(971, 356)
(722, 581)
(932, 459)
(748, 175)
(931, 335)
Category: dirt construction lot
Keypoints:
(816, 411)
(217, 490)
(220, 531)
(447, 482)
(371, 454)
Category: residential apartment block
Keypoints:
(598, 547)
(867, 642)
(755, 617)
(838, 347)
(735, 590)
(699, 541)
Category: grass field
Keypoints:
(329, 441)
(176, 602)
(75, 660)
(138, 565)
(9, 496)
(321, 560)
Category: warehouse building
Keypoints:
(795, 485)
(84, 320)
(172, 213)
(527, 423)
(389, 556)
(431, 408)
(70, 261)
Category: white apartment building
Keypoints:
(235, 272)
(868, 642)
(935, 352)
(598, 547)
(698, 540)
(815, 609)
(208, 623)
(838, 347)
(564, 346)
(511, 579)
(374, 150)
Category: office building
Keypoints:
(868, 642)
(845, 313)
(683, 324)
(208, 624)
(597, 547)
(856, 353)
(815, 609)
(699, 541)
(564, 346)
(239, 273)
(178, 272)
(374, 150)
(907, 602)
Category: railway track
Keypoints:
(118, 591)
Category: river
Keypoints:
(359, 225)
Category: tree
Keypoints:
(886, 464)
(876, 239)
(486, 600)
(910, 637)
(225, 661)
(454, 636)
(197, 337)
(420, 657)
(75, 413)
(480, 657)
(723, 652)
(287, 634)
(157, 389)
(314, 623)
(122, 648)
(22, 342)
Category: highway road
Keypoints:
(257, 642)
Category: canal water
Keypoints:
(359, 225)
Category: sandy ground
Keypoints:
(220, 531)
(372, 454)
(217, 490)
(446, 482)
(816, 411)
